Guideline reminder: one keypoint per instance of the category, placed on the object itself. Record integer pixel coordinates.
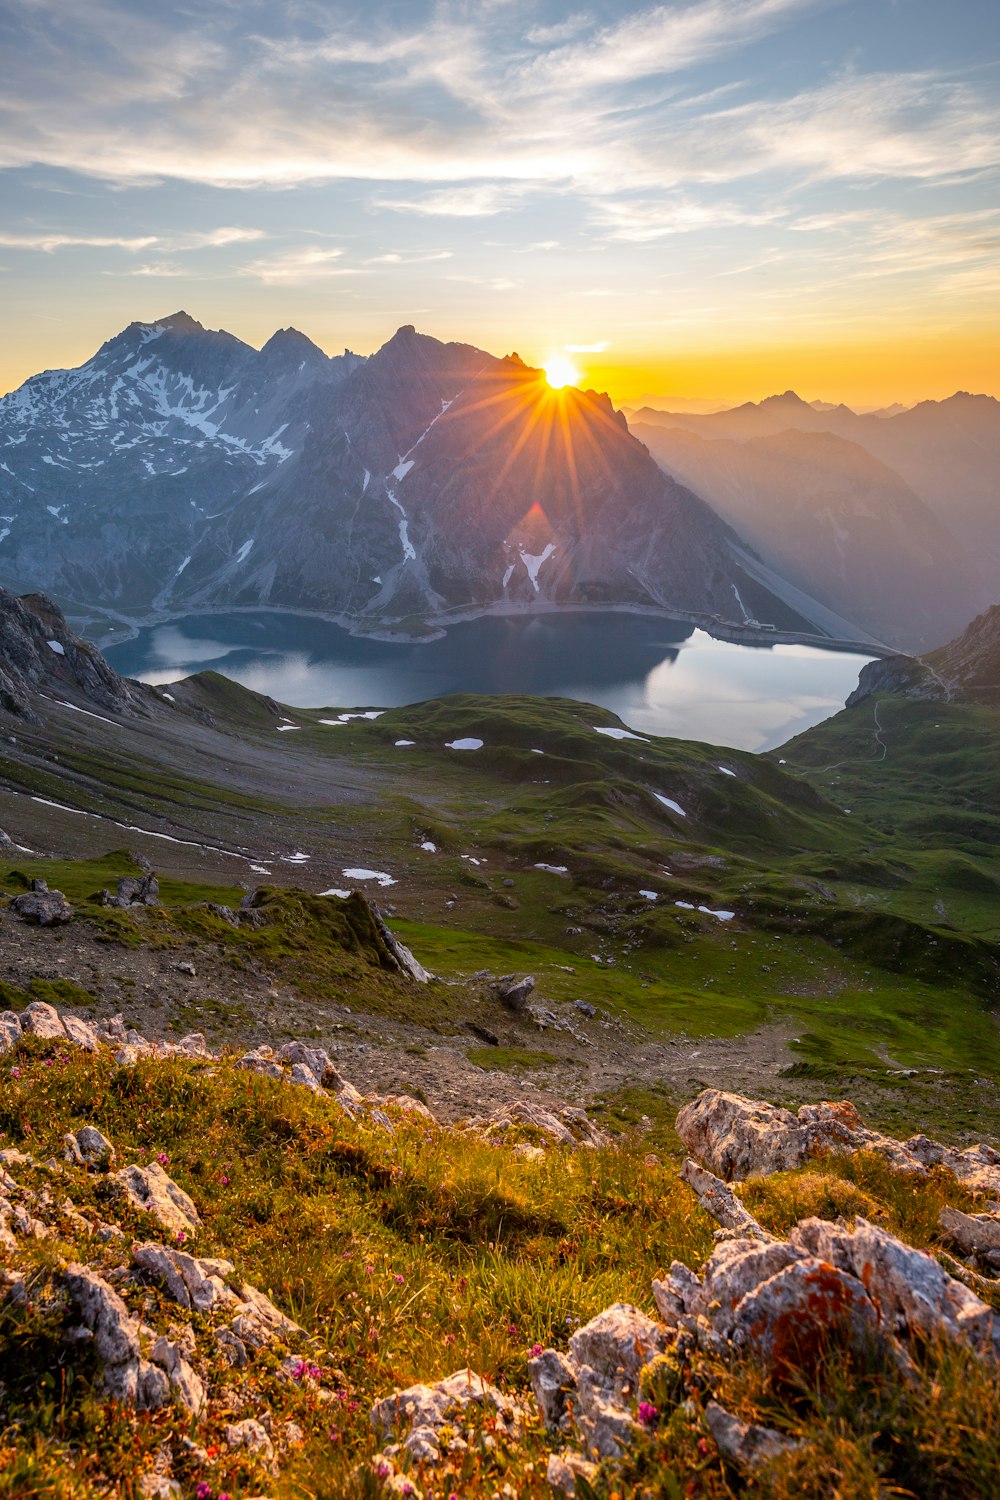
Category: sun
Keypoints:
(560, 371)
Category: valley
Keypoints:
(792, 915)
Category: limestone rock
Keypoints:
(10, 1030)
(407, 1105)
(420, 1411)
(975, 1235)
(45, 908)
(722, 1203)
(89, 1148)
(553, 1380)
(565, 1126)
(564, 1469)
(745, 1444)
(315, 1059)
(258, 1322)
(514, 993)
(127, 1377)
(41, 1019)
(186, 1385)
(251, 1436)
(150, 1189)
(192, 1283)
(143, 890)
(260, 1060)
(736, 1138)
(81, 1033)
(158, 1487)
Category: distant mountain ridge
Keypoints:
(180, 468)
(892, 518)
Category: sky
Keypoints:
(708, 199)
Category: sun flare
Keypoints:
(560, 371)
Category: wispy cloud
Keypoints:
(463, 201)
(160, 269)
(299, 265)
(595, 348)
(56, 241)
(398, 258)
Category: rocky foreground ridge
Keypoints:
(165, 1331)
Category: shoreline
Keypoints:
(125, 627)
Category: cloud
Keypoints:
(396, 258)
(58, 241)
(220, 237)
(295, 266)
(463, 201)
(597, 348)
(162, 269)
(644, 220)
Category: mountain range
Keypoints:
(892, 518)
(180, 468)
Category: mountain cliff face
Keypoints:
(182, 468)
(836, 521)
(40, 654)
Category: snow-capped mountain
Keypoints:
(181, 467)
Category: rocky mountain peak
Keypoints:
(287, 346)
(180, 322)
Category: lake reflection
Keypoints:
(659, 676)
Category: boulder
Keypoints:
(44, 908)
(89, 1148)
(553, 1381)
(564, 1469)
(81, 1033)
(41, 1019)
(559, 1126)
(513, 992)
(150, 1189)
(735, 1137)
(10, 1030)
(315, 1059)
(975, 1235)
(139, 890)
(261, 1060)
(250, 1436)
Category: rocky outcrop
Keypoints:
(126, 1376)
(410, 1421)
(564, 1125)
(897, 674)
(39, 652)
(783, 1303)
(737, 1138)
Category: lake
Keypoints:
(660, 676)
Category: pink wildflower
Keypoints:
(647, 1413)
(163, 1158)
